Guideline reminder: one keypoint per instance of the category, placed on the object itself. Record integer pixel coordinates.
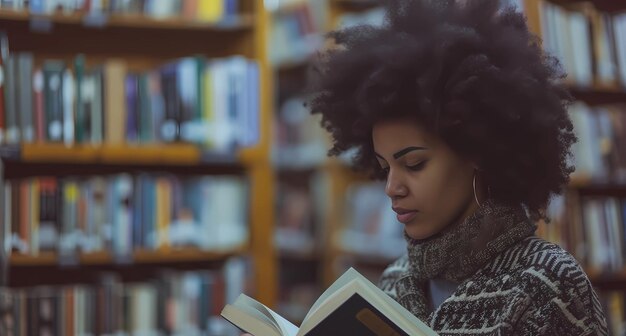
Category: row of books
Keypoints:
(591, 228)
(123, 213)
(372, 229)
(300, 205)
(369, 225)
(599, 154)
(297, 31)
(591, 45)
(196, 10)
(299, 140)
(174, 303)
(213, 103)
(374, 17)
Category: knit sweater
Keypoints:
(522, 286)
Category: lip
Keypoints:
(404, 216)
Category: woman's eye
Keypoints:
(417, 167)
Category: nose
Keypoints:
(395, 187)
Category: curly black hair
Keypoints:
(470, 72)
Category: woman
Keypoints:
(455, 105)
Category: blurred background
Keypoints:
(156, 161)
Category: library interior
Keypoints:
(157, 159)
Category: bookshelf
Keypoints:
(144, 43)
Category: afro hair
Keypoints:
(470, 72)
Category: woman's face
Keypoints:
(430, 186)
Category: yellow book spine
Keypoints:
(163, 213)
(210, 10)
(207, 102)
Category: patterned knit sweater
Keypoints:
(525, 286)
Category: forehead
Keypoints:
(396, 134)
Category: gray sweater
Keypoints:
(533, 288)
(510, 281)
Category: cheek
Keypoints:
(442, 190)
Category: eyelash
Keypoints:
(415, 168)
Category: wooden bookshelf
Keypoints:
(146, 43)
(127, 21)
(584, 185)
(139, 257)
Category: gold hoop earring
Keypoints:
(474, 188)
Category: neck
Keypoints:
(460, 249)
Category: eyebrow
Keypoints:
(403, 152)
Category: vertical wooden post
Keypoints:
(261, 173)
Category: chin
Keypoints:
(419, 233)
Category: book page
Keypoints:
(344, 279)
(250, 320)
(287, 328)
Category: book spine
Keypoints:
(79, 68)
(69, 97)
(25, 96)
(39, 107)
(132, 109)
(4, 54)
(114, 102)
(170, 128)
(53, 100)
(97, 125)
(10, 94)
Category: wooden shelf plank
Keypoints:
(599, 95)
(139, 257)
(151, 154)
(603, 5)
(604, 280)
(357, 4)
(237, 23)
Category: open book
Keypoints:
(352, 305)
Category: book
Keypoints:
(352, 305)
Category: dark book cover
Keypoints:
(25, 65)
(132, 108)
(138, 212)
(53, 97)
(15, 210)
(144, 110)
(356, 316)
(48, 221)
(170, 127)
(10, 99)
(81, 110)
(96, 115)
(4, 54)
